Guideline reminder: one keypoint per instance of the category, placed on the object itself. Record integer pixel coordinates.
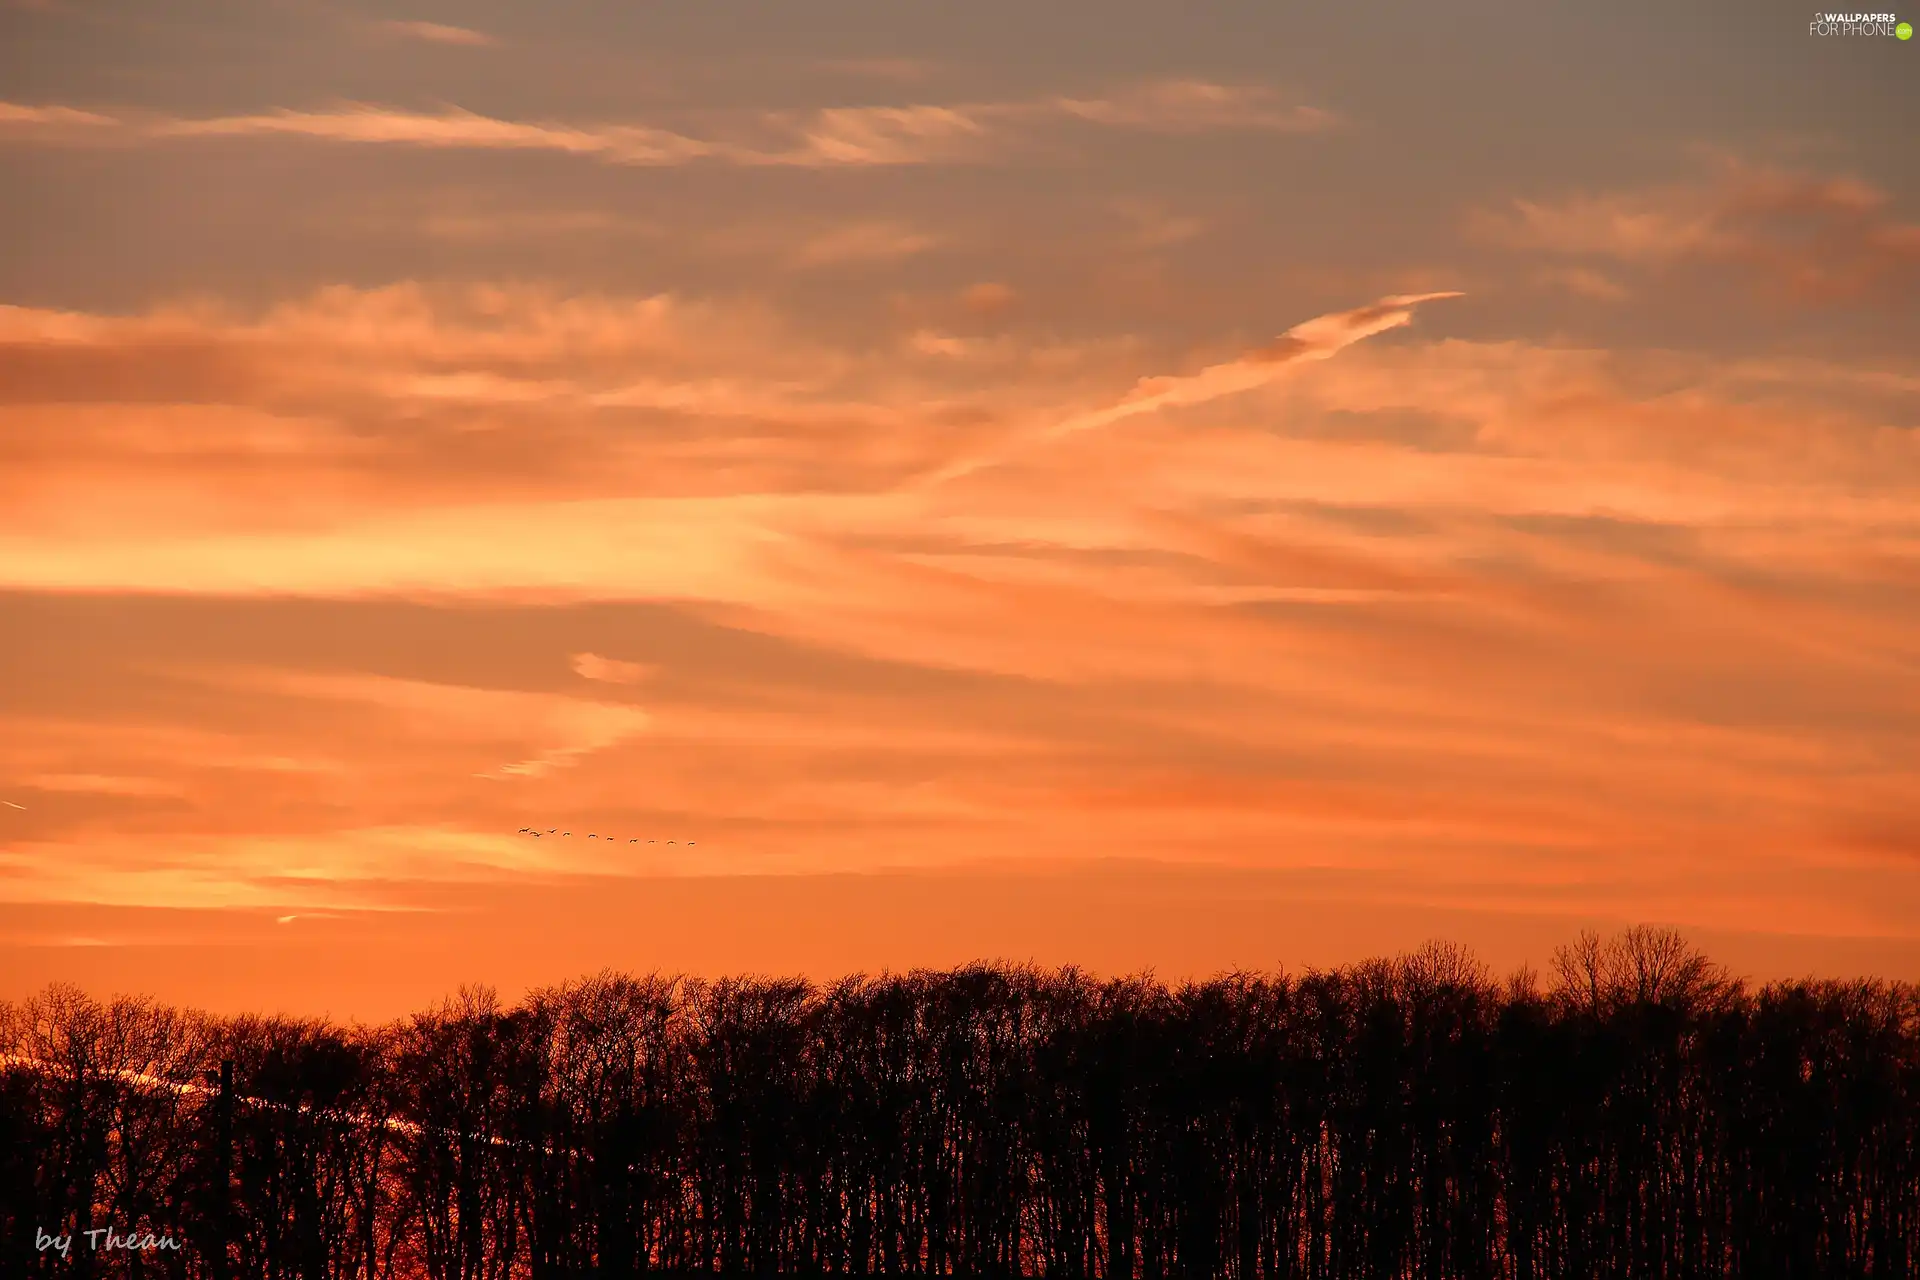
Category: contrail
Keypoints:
(1317, 339)
(11, 805)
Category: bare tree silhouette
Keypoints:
(1644, 1115)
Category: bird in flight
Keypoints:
(536, 833)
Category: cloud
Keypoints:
(494, 226)
(827, 137)
(672, 450)
(1633, 228)
(14, 114)
(556, 448)
(861, 242)
(568, 729)
(375, 440)
(1584, 282)
(928, 343)
(933, 134)
(1196, 106)
(1317, 339)
(1496, 621)
(382, 404)
(1152, 227)
(619, 144)
(860, 136)
(331, 871)
(1812, 236)
(588, 730)
(439, 33)
(591, 666)
(99, 784)
(58, 126)
(898, 69)
(989, 297)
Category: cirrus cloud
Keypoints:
(1815, 236)
(822, 137)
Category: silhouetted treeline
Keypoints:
(1642, 1116)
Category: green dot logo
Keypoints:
(1904, 31)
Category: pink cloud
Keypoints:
(439, 33)
(1817, 237)
(828, 137)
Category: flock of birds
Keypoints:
(536, 833)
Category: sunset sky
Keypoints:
(1142, 485)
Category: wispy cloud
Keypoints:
(861, 136)
(14, 113)
(1815, 236)
(496, 225)
(904, 70)
(1316, 339)
(1329, 599)
(1197, 106)
(828, 137)
(438, 33)
(591, 666)
(1583, 281)
(988, 297)
(620, 144)
(863, 241)
(58, 125)
(566, 729)
(327, 871)
(100, 784)
(1153, 227)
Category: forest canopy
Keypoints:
(1640, 1113)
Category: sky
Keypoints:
(1144, 486)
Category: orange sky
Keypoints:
(1076, 486)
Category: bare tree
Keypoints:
(1646, 1115)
